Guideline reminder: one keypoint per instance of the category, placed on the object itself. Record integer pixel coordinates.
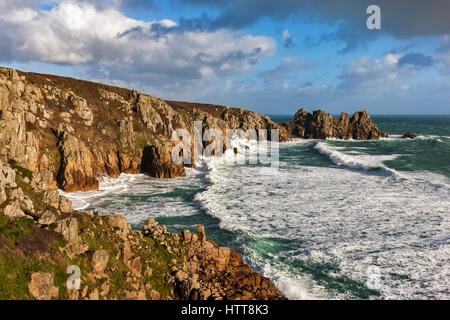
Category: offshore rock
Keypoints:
(408, 135)
(321, 125)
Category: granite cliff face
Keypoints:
(321, 125)
(71, 132)
(63, 133)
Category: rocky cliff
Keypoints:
(49, 251)
(63, 133)
(321, 125)
(70, 132)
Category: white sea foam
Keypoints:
(138, 197)
(356, 160)
(342, 218)
(307, 219)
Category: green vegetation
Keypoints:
(17, 230)
(142, 141)
(15, 274)
(3, 220)
(23, 172)
(152, 255)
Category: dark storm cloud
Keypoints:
(416, 60)
(401, 18)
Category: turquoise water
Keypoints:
(336, 220)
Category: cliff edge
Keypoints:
(71, 132)
(64, 133)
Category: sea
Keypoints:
(333, 220)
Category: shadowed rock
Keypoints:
(408, 135)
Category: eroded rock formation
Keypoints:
(71, 132)
(41, 236)
(322, 125)
(59, 132)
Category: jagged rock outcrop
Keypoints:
(69, 133)
(115, 262)
(7, 180)
(158, 164)
(77, 170)
(60, 132)
(210, 271)
(321, 125)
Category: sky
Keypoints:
(272, 57)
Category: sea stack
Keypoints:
(322, 125)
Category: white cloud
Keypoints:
(288, 39)
(444, 53)
(115, 47)
(289, 68)
(374, 75)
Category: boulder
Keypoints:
(69, 229)
(135, 295)
(117, 221)
(201, 233)
(186, 235)
(41, 286)
(51, 197)
(48, 217)
(64, 204)
(94, 295)
(150, 227)
(25, 203)
(100, 261)
(408, 135)
(126, 252)
(13, 211)
(136, 267)
(155, 295)
(181, 275)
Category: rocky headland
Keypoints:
(322, 125)
(62, 133)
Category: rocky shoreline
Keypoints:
(64, 133)
(39, 244)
